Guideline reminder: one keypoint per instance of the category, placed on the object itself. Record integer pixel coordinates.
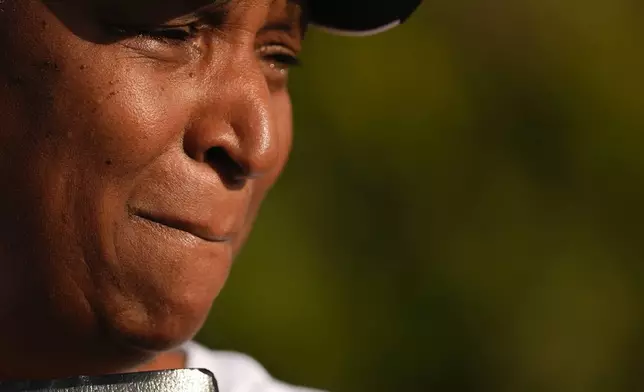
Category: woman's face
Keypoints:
(138, 140)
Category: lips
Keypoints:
(202, 231)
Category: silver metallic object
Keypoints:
(183, 380)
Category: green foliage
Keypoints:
(462, 210)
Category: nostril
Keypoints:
(232, 173)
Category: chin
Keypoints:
(156, 288)
(158, 318)
(157, 327)
(154, 336)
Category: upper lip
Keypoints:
(202, 231)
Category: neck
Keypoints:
(165, 361)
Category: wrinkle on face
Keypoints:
(90, 129)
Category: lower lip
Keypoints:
(174, 230)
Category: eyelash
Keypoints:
(173, 34)
(279, 55)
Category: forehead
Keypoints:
(156, 11)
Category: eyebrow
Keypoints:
(212, 3)
(288, 23)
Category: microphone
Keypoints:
(180, 380)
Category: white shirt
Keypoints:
(235, 372)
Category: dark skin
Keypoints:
(138, 140)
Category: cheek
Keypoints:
(79, 122)
(283, 119)
(128, 121)
(85, 122)
(70, 96)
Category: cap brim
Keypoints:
(360, 17)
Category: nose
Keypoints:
(232, 130)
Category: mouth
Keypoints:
(197, 230)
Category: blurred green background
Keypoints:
(463, 210)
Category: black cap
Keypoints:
(360, 17)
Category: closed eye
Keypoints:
(285, 60)
(174, 34)
(279, 56)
